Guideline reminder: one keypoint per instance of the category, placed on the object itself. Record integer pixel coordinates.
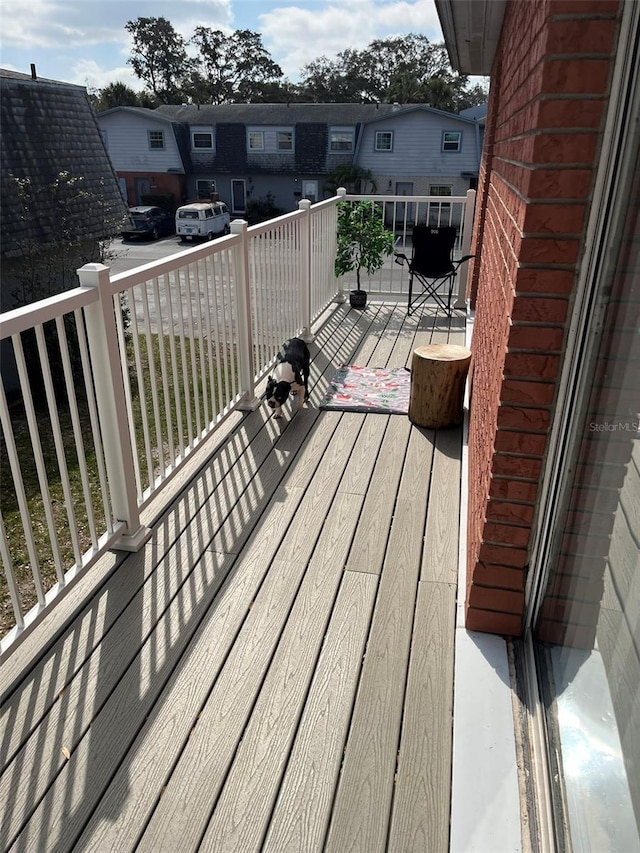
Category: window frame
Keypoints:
(342, 131)
(286, 149)
(445, 141)
(254, 133)
(150, 135)
(212, 187)
(201, 132)
(376, 145)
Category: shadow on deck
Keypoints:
(274, 670)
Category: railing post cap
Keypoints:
(341, 191)
(94, 267)
(304, 204)
(238, 226)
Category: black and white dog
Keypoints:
(290, 375)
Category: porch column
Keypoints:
(112, 408)
(249, 401)
(465, 248)
(305, 249)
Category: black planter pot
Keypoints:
(358, 298)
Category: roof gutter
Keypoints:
(471, 30)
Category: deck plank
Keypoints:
(242, 812)
(363, 799)
(301, 814)
(367, 553)
(420, 814)
(440, 560)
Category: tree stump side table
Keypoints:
(438, 375)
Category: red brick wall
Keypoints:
(548, 93)
(160, 183)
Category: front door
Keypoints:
(238, 196)
(142, 187)
(310, 191)
(404, 212)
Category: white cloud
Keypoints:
(295, 35)
(87, 72)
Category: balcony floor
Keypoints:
(274, 670)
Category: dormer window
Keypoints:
(156, 139)
(451, 140)
(284, 140)
(256, 140)
(341, 139)
(201, 139)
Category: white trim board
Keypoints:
(485, 798)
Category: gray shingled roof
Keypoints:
(285, 114)
(47, 127)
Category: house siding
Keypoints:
(549, 88)
(128, 147)
(417, 146)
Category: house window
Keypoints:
(256, 140)
(384, 140)
(204, 189)
(284, 140)
(451, 140)
(201, 139)
(156, 139)
(341, 140)
(439, 189)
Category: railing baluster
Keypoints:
(243, 302)
(153, 386)
(160, 318)
(124, 369)
(14, 593)
(167, 279)
(93, 419)
(77, 431)
(21, 497)
(59, 447)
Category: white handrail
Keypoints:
(165, 352)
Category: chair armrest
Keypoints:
(463, 260)
(399, 258)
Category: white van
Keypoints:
(202, 220)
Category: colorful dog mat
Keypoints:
(369, 389)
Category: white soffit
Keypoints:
(471, 30)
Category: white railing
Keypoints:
(399, 214)
(118, 381)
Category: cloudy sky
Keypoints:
(84, 41)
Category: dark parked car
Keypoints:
(152, 222)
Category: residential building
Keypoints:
(247, 152)
(554, 483)
(53, 168)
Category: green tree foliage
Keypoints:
(363, 241)
(402, 69)
(353, 178)
(114, 95)
(48, 266)
(231, 68)
(158, 58)
(237, 68)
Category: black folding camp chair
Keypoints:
(432, 266)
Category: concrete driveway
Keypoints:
(128, 254)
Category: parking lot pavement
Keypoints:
(128, 254)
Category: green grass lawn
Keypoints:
(188, 361)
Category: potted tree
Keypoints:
(363, 243)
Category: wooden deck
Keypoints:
(274, 670)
